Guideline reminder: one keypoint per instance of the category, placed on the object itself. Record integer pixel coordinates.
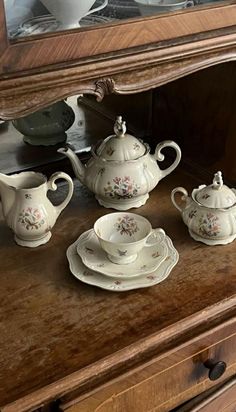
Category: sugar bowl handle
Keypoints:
(52, 186)
(184, 197)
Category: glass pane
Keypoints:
(30, 17)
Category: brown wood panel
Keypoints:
(202, 119)
(71, 46)
(164, 383)
(59, 332)
(222, 399)
(3, 34)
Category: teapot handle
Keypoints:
(184, 197)
(160, 157)
(52, 186)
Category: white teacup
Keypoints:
(123, 235)
(70, 12)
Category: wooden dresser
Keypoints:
(67, 346)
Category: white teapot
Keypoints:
(121, 171)
(210, 212)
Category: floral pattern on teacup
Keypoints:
(126, 225)
(31, 218)
(121, 188)
(122, 252)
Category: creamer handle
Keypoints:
(160, 157)
(183, 197)
(52, 186)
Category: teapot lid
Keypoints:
(121, 146)
(217, 195)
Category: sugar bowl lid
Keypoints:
(217, 195)
(121, 146)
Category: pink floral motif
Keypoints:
(89, 250)
(110, 151)
(136, 146)
(121, 188)
(87, 273)
(209, 225)
(31, 218)
(151, 277)
(155, 255)
(192, 213)
(126, 225)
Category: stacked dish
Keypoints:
(90, 263)
(150, 7)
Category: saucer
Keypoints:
(81, 272)
(48, 23)
(94, 257)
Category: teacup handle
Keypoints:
(156, 236)
(104, 4)
(184, 197)
(52, 186)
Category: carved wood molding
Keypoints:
(104, 87)
(125, 75)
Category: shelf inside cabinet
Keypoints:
(53, 325)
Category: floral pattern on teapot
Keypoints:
(122, 188)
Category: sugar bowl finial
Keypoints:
(120, 127)
(217, 181)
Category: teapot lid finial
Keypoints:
(121, 146)
(120, 127)
(218, 181)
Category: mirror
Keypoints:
(33, 17)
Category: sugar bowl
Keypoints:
(210, 211)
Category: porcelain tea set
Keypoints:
(122, 251)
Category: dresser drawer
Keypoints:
(167, 381)
(222, 399)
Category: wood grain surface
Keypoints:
(69, 46)
(52, 325)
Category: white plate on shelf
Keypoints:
(94, 257)
(48, 23)
(85, 275)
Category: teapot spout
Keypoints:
(77, 165)
(7, 193)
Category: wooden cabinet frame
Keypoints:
(125, 57)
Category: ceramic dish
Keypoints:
(48, 23)
(82, 273)
(92, 255)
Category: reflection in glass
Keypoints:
(29, 17)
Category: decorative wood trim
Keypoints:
(103, 87)
(70, 46)
(128, 74)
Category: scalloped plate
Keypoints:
(85, 275)
(94, 258)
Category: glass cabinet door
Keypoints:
(35, 17)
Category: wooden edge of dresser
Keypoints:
(191, 328)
